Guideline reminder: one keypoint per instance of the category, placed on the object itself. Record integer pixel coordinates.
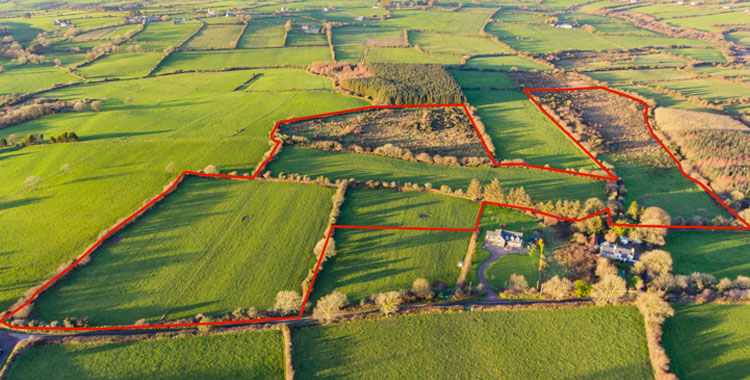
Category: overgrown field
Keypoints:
(709, 341)
(231, 240)
(498, 344)
(256, 355)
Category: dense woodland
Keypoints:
(407, 83)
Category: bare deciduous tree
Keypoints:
(388, 302)
(32, 182)
(329, 307)
(608, 290)
(421, 288)
(557, 288)
(287, 302)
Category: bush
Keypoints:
(608, 290)
(329, 307)
(583, 288)
(557, 288)
(287, 302)
(422, 289)
(211, 169)
(517, 283)
(388, 302)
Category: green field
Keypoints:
(286, 80)
(297, 38)
(28, 78)
(160, 35)
(742, 38)
(219, 236)
(130, 65)
(479, 79)
(446, 43)
(520, 130)
(373, 261)
(113, 169)
(408, 55)
(709, 341)
(710, 23)
(349, 42)
(527, 344)
(539, 184)
(263, 33)
(708, 89)
(215, 37)
(220, 60)
(505, 63)
(459, 23)
(721, 253)
(705, 55)
(256, 355)
(638, 75)
(542, 39)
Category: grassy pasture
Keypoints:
(199, 122)
(160, 35)
(128, 65)
(605, 24)
(651, 60)
(523, 344)
(474, 79)
(286, 79)
(444, 22)
(263, 33)
(506, 63)
(741, 38)
(721, 253)
(708, 341)
(662, 100)
(446, 43)
(215, 37)
(743, 73)
(29, 78)
(632, 42)
(542, 39)
(219, 60)
(708, 89)
(198, 238)
(539, 184)
(297, 38)
(525, 17)
(520, 130)
(710, 23)
(407, 55)
(638, 75)
(349, 42)
(257, 355)
(666, 188)
(705, 55)
(96, 22)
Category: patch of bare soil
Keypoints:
(434, 131)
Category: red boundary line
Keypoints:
(527, 91)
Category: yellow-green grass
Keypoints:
(644, 60)
(296, 38)
(520, 16)
(66, 58)
(638, 75)
(633, 42)
(524, 264)
(479, 79)
(211, 246)
(263, 33)
(710, 23)
(256, 355)
(349, 41)
(522, 344)
(741, 38)
(705, 55)
(129, 65)
(708, 341)
(220, 60)
(165, 34)
(23, 29)
(544, 39)
(665, 187)
(408, 55)
(708, 89)
(286, 79)
(604, 24)
(742, 73)
(520, 130)
(447, 43)
(444, 22)
(373, 261)
(30, 78)
(199, 122)
(96, 22)
(541, 185)
(215, 37)
(506, 63)
(720, 253)
(662, 100)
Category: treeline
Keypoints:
(41, 107)
(407, 83)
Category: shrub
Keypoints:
(211, 169)
(287, 302)
(558, 288)
(583, 288)
(422, 289)
(329, 307)
(608, 290)
(388, 302)
(517, 283)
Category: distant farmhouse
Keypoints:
(501, 238)
(61, 23)
(311, 29)
(620, 251)
(360, 18)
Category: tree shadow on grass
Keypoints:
(6, 205)
(122, 135)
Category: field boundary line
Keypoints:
(483, 203)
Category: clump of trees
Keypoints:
(610, 287)
(287, 302)
(37, 108)
(407, 83)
